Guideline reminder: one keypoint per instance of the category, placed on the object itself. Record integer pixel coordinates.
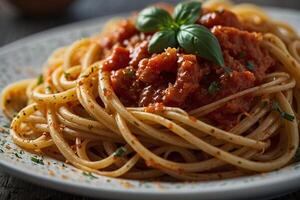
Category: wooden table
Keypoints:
(13, 27)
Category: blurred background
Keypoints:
(20, 18)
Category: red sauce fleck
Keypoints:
(64, 177)
(187, 81)
(193, 119)
(219, 17)
(107, 93)
(118, 59)
(170, 126)
(150, 69)
(138, 53)
(155, 108)
(126, 184)
(51, 173)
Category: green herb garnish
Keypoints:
(17, 155)
(120, 152)
(264, 103)
(213, 87)
(37, 160)
(67, 75)
(284, 115)
(90, 175)
(241, 54)
(6, 126)
(40, 80)
(180, 31)
(130, 73)
(48, 89)
(227, 70)
(250, 66)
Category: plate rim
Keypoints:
(259, 186)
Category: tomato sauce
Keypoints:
(174, 78)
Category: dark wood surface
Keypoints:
(14, 26)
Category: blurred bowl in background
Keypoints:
(37, 8)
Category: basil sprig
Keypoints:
(180, 31)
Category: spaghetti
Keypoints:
(81, 112)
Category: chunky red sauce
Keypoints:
(174, 78)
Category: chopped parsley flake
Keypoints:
(37, 160)
(129, 73)
(40, 79)
(67, 75)
(250, 65)
(17, 155)
(3, 142)
(241, 54)
(213, 87)
(284, 115)
(227, 70)
(6, 126)
(90, 175)
(264, 104)
(120, 152)
(48, 89)
(1, 151)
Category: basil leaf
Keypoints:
(197, 39)
(162, 40)
(187, 12)
(121, 151)
(284, 115)
(250, 66)
(214, 87)
(153, 19)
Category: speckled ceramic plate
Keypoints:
(22, 59)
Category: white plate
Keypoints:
(22, 59)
